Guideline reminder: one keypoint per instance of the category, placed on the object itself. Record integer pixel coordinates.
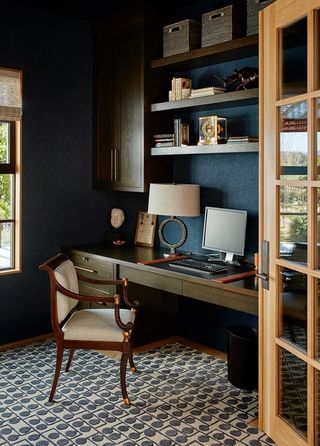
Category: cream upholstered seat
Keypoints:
(102, 329)
(96, 325)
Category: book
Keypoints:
(207, 91)
(165, 144)
(164, 140)
(180, 88)
(177, 130)
(163, 135)
(238, 139)
(182, 83)
(181, 131)
(173, 89)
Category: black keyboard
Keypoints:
(202, 266)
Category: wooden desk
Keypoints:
(241, 295)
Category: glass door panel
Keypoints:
(293, 391)
(293, 223)
(293, 307)
(317, 319)
(317, 135)
(317, 407)
(316, 53)
(294, 59)
(317, 219)
(294, 141)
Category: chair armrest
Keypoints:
(133, 305)
(98, 281)
(82, 297)
(125, 327)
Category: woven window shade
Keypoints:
(10, 95)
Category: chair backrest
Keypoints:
(61, 270)
(66, 275)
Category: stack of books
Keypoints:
(180, 88)
(242, 139)
(164, 140)
(207, 91)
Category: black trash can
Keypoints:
(242, 354)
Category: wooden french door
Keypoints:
(290, 221)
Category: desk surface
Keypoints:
(241, 295)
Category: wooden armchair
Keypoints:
(101, 329)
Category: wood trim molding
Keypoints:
(27, 341)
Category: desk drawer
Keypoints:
(150, 279)
(92, 264)
(218, 296)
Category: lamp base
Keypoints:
(172, 246)
(168, 254)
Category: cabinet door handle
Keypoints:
(116, 165)
(112, 165)
(86, 269)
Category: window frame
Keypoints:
(13, 167)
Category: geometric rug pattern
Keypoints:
(180, 396)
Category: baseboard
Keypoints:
(22, 342)
(184, 341)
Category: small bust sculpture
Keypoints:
(117, 217)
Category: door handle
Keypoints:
(264, 273)
(262, 276)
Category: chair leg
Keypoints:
(57, 371)
(132, 365)
(70, 359)
(123, 385)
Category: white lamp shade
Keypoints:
(182, 200)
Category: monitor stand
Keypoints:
(227, 259)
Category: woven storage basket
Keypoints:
(181, 37)
(253, 8)
(223, 24)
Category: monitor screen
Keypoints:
(224, 230)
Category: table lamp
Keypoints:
(173, 200)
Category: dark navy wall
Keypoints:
(59, 206)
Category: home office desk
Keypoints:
(123, 261)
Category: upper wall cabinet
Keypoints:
(122, 65)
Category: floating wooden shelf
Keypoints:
(203, 102)
(209, 149)
(210, 55)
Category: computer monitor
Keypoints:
(224, 230)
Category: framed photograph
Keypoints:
(146, 228)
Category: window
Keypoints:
(10, 169)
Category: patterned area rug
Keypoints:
(180, 396)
